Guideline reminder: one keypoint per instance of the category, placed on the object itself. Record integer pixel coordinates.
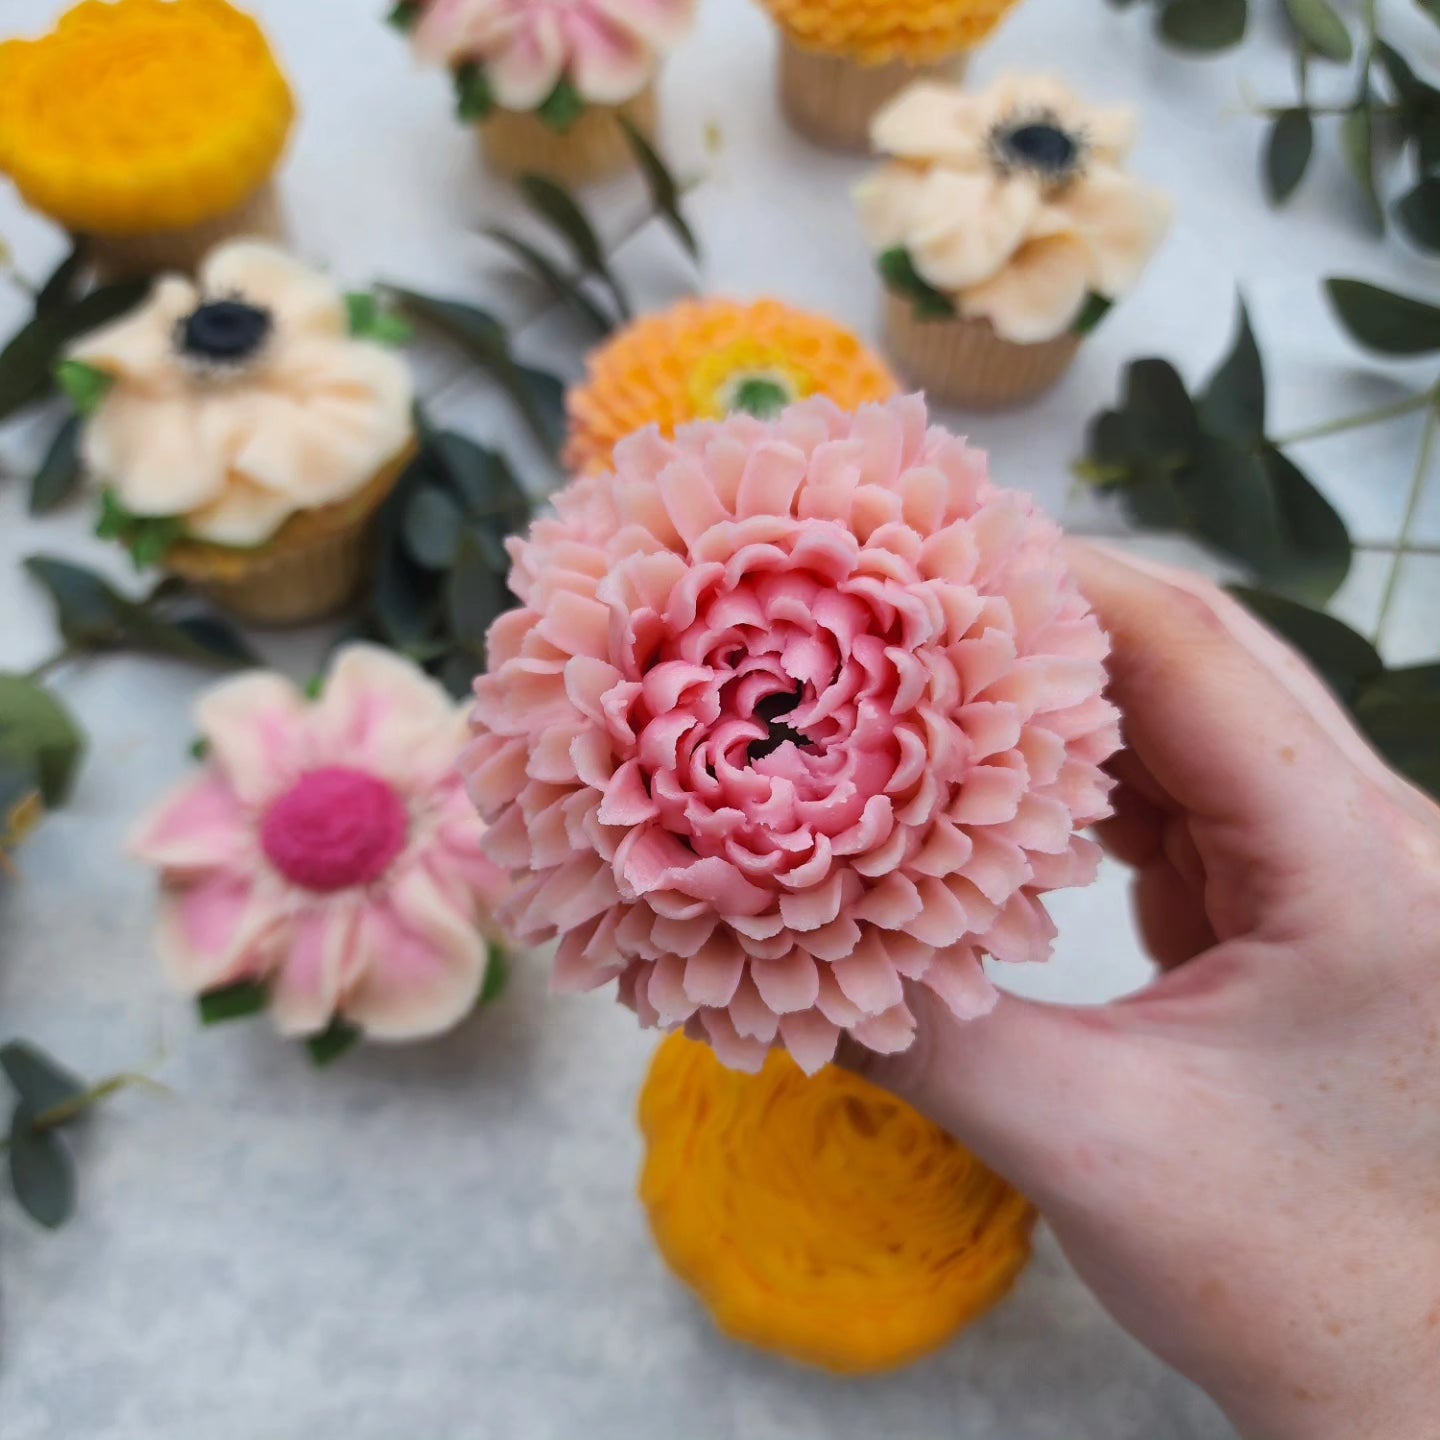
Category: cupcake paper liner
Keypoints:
(831, 99)
(593, 148)
(965, 363)
(260, 217)
(310, 569)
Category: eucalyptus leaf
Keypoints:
(1320, 549)
(1322, 29)
(27, 363)
(898, 271)
(562, 107)
(1430, 8)
(37, 732)
(89, 613)
(42, 1172)
(1288, 152)
(1418, 212)
(475, 595)
(212, 633)
(1206, 26)
(474, 97)
(458, 673)
(1357, 140)
(332, 1042)
(557, 207)
(60, 474)
(39, 1080)
(404, 15)
(231, 1002)
(1233, 404)
(563, 287)
(1405, 729)
(1161, 416)
(664, 192)
(1344, 658)
(543, 404)
(1383, 320)
(1092, 313)
(481, 480)
(497, 976)
(62, 285)
(433, 522)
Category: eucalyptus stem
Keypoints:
(1412, 509)
(52, 662)
(72, 1109)
(1378, 416)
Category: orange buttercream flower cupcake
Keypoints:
(821, 1218)
(152, 127)
(840, 60)
(703, 359)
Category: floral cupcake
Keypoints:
(1005, 228)
(549, 80)
(819, 1217)
(702, 360)
(243, 433)
(841, 60)
(152, 128)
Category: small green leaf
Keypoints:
(199, 748)
(1430, 8)
(1322, 29)
(1233, 404)
(433, 522)
(147, 538)
(562, 107)
(664, 192)
(1205, 26)
(60, 473)
(38, 732)
(1320, 551)
(563, 287)
(42, 1172)
(83, 385)
(1405, 730)
(39, 1080)
(232, 1002)
(1357, 140)
(474, 99)
(760, 397)
(555, 205)
(898, 272)
(1159, 411)
(209, 633)
(332, 1042)
(1345, 659)
(1419, 213)
(1287, 155)
(497, 976)
(405, 15)
(1384, 321)
(369, 320)
(482, 481)
(1092, 313)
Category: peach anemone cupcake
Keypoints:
(841, 60)
(242, 436)
(703, 359)
(819, 1217)
(548, 81)
(150, 127)
(1004, 226)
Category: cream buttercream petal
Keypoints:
(1110, 132)
(886, 202)
(930, 121)
(140, 345)
(300, 299)
(1120, 220)
(244, 514)
(153, 452)
(965, 227)
(1038, 295)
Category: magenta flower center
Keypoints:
(335, 828)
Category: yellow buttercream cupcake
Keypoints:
(841, 60)
(702, 359)
(821, 1218)
(152, 127)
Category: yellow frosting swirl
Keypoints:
(876, 31)
(142, 115)
(821, 1218)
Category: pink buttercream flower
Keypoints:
(794, 716)
(326, 849)
(607, 49)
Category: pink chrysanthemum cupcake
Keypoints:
(548, 80)
(325, 857)
(793, 717)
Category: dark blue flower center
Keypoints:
(224, 331)
(1042, 147)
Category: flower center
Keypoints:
(224, 332)
(1039, 145)
(335, 828)
(760, 395)
(770, 710)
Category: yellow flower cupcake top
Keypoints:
(140, 115)
(873, 32)
(1013, 205)
(702, 359)
(821, 1218)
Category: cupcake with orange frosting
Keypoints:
(819, 1217)
(1005, 226)
(704, 359)
(242, 434)
(841, 60)
(152, 128)
(548, 81)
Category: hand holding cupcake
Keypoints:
(1004, 225)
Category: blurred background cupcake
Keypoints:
(152, 128)
(703, 359)
(841, 60)
(548, 80)
(1004, 227)
(243, 435)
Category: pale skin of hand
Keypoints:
(1242, 1160)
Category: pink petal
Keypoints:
(810, 1038)
(201, 825)
(255, 728)
(958, 978)
(211, 931)
(305, 986)
(786, 985)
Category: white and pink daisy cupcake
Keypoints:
(547, 80)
